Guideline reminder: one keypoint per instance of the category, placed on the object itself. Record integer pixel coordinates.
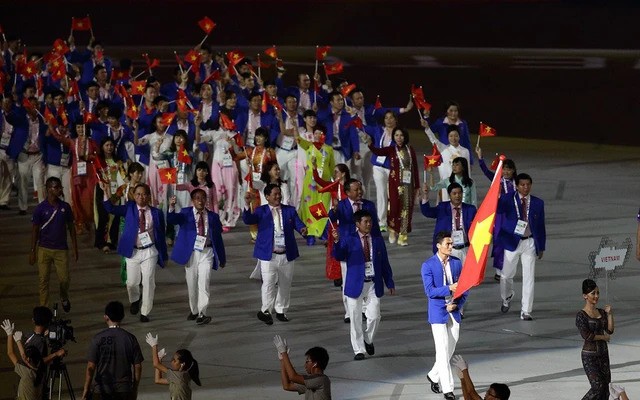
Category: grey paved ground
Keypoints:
(590, 191)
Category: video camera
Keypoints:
(60, 331)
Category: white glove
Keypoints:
(161, 353)
(8, 327)
(17, 336)
(151, 340)
(615, 391)
(280, 343)
(459, 362)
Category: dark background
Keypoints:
(595, 105)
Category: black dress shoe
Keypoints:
(192, 316)
(135, 307)
(282, 317)
(506, 304)
(496, 277)
(435, 387)
(450, 396)
(370, 349)
(203, 319)
(337, 282)
(265, 317)
(144, 318)
(347, 320)
(359, 357)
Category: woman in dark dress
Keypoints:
(595, 326)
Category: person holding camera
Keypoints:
(114, 364)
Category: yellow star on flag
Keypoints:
(432, 161)
(169, 175)
(481, 236)
(29, 70)
(487, 129)
(140, 88)
(207, 26)
(56, 64)
(185, 152)
(80, 24)
(318, 213)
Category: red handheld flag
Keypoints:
(318, 211)
(206, 24)
(179, 60)
(137, 87)
(167, 118)
(183, 155)
(119, 75)
(271, 52)
(88, 118)
(60, 46)
(49, 118)
(227, 123)
(264, 103)
(167, 175)
(132, 111)
(486, 130)
(378, 104)
(480, 236)
(81, 24)
(234, 57)
(434, 160)
(192, 57)
(321, 52)
(74, 90)
(151, 64)
(356, 121)
(215, 76)
(332, 69)
(494, 163)
(29, 69)
(347, 89)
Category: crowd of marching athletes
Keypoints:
(217, 144)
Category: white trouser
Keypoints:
(287, 162)
(362, 169)
(141, 268)
(30, 165)
(460, 253)
(7, 166)
(64, 174)
(526, 251)
(445, 338)
(381, 180)
(276, 271)
(197, 274)
(343, 270)
(369, 299)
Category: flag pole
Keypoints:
(91, 28)
(259, 69)
(179, 64)
(202, 41)
(374, 108)
(136, 77)
(316, 71)
(70, 34)
(424, 173)
(479, 135)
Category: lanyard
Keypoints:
(400, 158)
(253, 154)
(86, 149)
(505, 186)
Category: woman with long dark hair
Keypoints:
(596, 327)
(184, 369)
(460, 175)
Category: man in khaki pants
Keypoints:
(51, 219)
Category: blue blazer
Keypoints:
(349, 249)
(183, 246)
(509, 221)
(267, 121)
(444, 217)
(440, 128)
(262, 217)
(349, 139)
(344, 215)
(129, 235)
(20, 121)
(436, 290)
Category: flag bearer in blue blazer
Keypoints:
(199, 248)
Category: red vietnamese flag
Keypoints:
(59, 70)
(192, 57)
(215, 76)
(74, 90)
(180, 94)
(494, 163)
(62, 113)
(137, 87)
(168, 175)
(356, 121)
(234, 57)
(434, 160)
(347, 89)
(182, 105)
(183, 155)
(378, 104)
(132, 111)
(321, 52)
(227, 123)
(238, 140)
(167, 118)
(151, 64)
(49, 118)
(26, 104)
(100, 169)
(480, 235)
(30, 69)
(332, 69)
(81, 24)
(60, 47)
(264, 103)
(206, 24)
(275, 103)
(88, 118)
(486, 130)
(179, 60)
(263, 65)
(271, 52)
(119, 75)
(318, 211)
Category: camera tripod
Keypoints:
(58, 370)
